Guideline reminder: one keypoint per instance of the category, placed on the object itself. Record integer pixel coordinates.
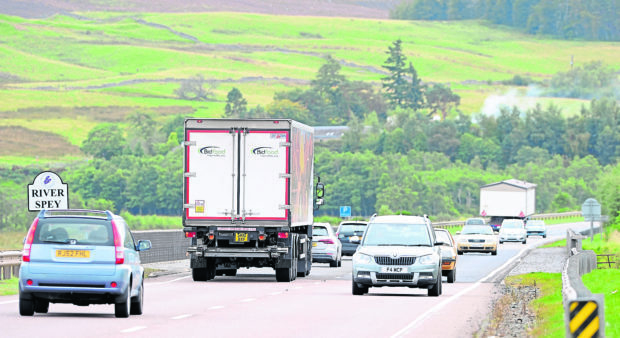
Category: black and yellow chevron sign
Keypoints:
(584, 320)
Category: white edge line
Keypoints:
(182, 316)
(248, 300)
(9, 302)
(133, 329)
(439, 306)
(168, 282)
(217, 307)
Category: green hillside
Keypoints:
(61, 76)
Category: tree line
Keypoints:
(401, 152)
(574, 19)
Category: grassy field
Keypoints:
(65, 75)
(9, 287)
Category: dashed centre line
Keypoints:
(182, 316)
(133, 329)
(248, 300)
(216, 307)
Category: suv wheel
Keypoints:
(137, 302)
(357, 290)
(436, 289)
(41, 305)
(26, 307)
(122, 308)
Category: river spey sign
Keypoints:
(47, 191)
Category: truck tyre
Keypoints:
(199, 274)
(211, 268)
(230, 272)
(284, 274)
(357, 290)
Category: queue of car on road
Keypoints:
(90, 257)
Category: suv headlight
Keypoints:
(428, 259)
(360, 258)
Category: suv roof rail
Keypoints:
(373, 216)
(107, 214)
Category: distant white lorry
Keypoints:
(507, 199)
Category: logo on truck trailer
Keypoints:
(213, 151)
(265, 152)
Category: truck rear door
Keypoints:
(237, 173)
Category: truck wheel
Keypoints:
(199, 274)
(230, 272)
(283, 274)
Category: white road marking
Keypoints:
(248, 300)
(217, 307)
(440, 306)
(9, 302)
(168, 282)
(317, 283)
(182, 316)
(133, 329)
(276, 293)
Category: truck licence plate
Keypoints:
(241, 237)
(394, 269)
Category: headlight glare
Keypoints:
(360, 258)
(428, 259)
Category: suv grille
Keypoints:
(394, 261)
(476, 241)
(395, 276)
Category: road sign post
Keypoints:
(591, 211)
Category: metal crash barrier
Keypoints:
(583, 310)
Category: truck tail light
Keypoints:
(118, 245)
(190, 234)
(211, 236)
(262, 237)
(326, 241)
(282, 235)
(29, 240)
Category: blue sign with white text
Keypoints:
(345, 211)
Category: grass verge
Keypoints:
(9, 287)
(603, 281)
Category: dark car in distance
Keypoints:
(350, 234)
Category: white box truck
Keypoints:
(249, 196)
(507, 199)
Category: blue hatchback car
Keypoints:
(81, 257)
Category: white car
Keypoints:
(512, 230)
(326, 248)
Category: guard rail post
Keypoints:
(583, 311)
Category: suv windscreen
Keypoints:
(352, 230)
(319, 231)
(391, 234)
(89, 233)
(477, 230)
(474, 221)
(536, 223)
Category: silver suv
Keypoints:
(398, 251)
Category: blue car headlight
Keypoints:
(428, 259)
(360, 258)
